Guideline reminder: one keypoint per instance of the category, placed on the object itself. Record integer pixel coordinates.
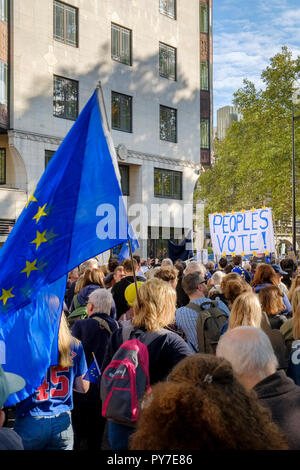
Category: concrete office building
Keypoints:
(225, 117)
(146, 55)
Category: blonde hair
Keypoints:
(156, 307)
(295, 300)
(271, 300)
(245, 311)
(295, 284)
(296, 323)
(65, 340)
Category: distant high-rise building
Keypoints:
(206, 80)
(225, 117)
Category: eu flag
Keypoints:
(76, 212)
(93, 373)
(125, 252)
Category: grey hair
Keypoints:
(88, 264)
(102, 300)
(217, 277)
(249, 351)
(195, 266)
(167, 262)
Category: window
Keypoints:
(121, 112)
(203, 18)
(3, 11)
(204, 133)
(65, 98)
(204, 75)
(124, 172)
(2, 166)
(3, 83)
(168, 124)
(48, 155)
(65, 19)
(168, 7)
(167, 61)
(167, 183)
(121, 44)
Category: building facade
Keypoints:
(148, 57)
(225, 117)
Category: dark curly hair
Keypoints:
(203, 406)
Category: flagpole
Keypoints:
(134, 275)
(99, 372)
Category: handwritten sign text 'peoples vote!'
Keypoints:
(242, 233)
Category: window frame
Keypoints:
(172, 173)
(121, 165)
(120, 40)
(161, 106)
(207, 75)
(65, 41)
(77, 101)
(165, 13)
(112, 125)
(168, 48)
(204, 6)
(47, 157)
(4, 11)
(3, 154)
(208, 130)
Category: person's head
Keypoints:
(245, 311)
(194, 285)
(119, 273)
(168, 274)
(289, 265)
(235, 287)
(250, 353)
(167, 262)
(264, 274)
(202, 406)
(88, 264)
(156, 307)
(223, 262)
(73, 275)
(228, 268)
(112, 264)
(180, 266)
(210, 266)
(100, 301)
(229, 277)
(253, 266)
(138, 260)
(278, 272)
(127, 265)
(271, 300)
(217, 277)
(194, 266)
(130, 292)
(237, 260)
(93, 276)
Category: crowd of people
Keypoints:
(220, 368)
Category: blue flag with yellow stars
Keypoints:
(93, 373)
(125, 252)
(76, 212)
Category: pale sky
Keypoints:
(247, 33)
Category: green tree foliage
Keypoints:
(253, 164)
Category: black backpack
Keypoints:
(209, 323)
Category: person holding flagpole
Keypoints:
(43, 420)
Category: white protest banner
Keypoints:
(242, 233)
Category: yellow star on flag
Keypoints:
(266, 252)
(32, 198)
(243, 253)
(40, 213)
(253, 209)
(254, 253)
(232, 212)
(215, 213)
(264, 207)
(30, 267)
(233, 254)
(40, 238)
(224, 254)
(6, 294)
(223, 213)
(243, 211)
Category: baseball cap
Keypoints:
(130, 292)
(9, 383)
(277, 269)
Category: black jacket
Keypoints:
(281, 396)
(118, 293)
